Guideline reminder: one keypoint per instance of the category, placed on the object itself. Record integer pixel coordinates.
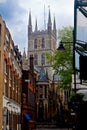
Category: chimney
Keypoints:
(31, 63)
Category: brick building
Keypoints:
(28, 94)
(10, 80)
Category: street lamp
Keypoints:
(61, 47)
(78, 4)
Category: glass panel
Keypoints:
(81, 33)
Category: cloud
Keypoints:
(16, 16)
(2, 1)
(10, 10)
(12, 13)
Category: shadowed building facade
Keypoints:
(10, 80)
(28, 107)
(40, 42)
(42, 96)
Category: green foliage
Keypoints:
(66, 34)
(62, 61)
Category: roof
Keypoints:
(36, 68)
(42, 76)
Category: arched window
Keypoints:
(43, 59)
(35, 43)
(43, 43)
(35, 59)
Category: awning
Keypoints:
(27, 116)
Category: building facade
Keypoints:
(42, 96)
(47, 98)
(10, 80)
(28, 106)
(40, 42)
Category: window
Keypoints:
(43, 43)
(41, 96)
(45, 91)
(35, 59)
(41, 87)
(9, 72)
(35, 43)
(0, 32)
(5, 67)
(0, 59)
(5, 86)
(43, 59)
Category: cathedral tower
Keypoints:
(40, 42)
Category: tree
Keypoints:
(62, 61)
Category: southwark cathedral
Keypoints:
(40, 42)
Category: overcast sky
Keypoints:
(16, 15)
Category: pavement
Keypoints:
(53, 129)
(50, 127)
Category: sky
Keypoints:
(15, 13)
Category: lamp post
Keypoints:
(74, 41)
(61, 47)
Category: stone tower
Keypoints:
(40, 42)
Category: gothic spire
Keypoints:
(49, 18)
(49, 22)
(30, 23)
(54, 26)
(24, 54)
(36, 25)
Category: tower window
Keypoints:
(43, 59)
(35, 59)
(43, 43)
(35, 43)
